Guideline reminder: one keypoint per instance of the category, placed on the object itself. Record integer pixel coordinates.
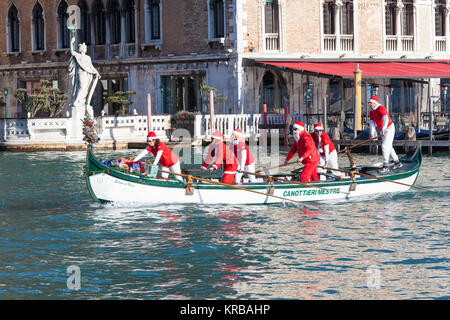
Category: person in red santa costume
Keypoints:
(327, 151)
(307, 153)
(163, 156)
(245, 159)
(380, 119)
(223, 156)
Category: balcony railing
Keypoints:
(272, 42)
(391, 43)
(329, 42)
(399, 43)
(346, 41)
(407, 43)
(440, 44)
(343, 42)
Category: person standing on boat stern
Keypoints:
(380, 119)
(163, 156)
(223, 156)
(307, 153)
(327, 152)
(245, 159)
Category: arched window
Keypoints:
(63, 31)
(347, 17)
(272, 25)
(408, 18)
(155, 25)
(129, 8)
(99, 22)
(13, 30)
(84, 34)
(390, 17)
(152, 20)
(114, 21)
(272, 17)
(38, 27)
(328, 17)
(439, 18)
(272, 90)
(217, 19)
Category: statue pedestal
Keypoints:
(75, 125)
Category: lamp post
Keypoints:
(5, 93)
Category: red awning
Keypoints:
(368, 69)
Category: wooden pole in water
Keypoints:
(286, 128)
(264, 133)
(430, 117)
(211, 110)
(149, 113)
(357, 73)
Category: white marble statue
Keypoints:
(84, 76)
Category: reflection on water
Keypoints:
(386, 247)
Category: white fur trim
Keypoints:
(217, 138)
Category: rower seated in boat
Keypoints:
(307, 153)
(163, 156)
(245, 159)
(223, 157)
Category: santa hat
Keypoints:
(217, 135)
(237, 132)
(298, 125)
(374, 99)
(318, 126)
(151, 135)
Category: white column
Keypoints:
(337, 24)
(398, 24)
(447, 27)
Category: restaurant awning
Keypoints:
(377, 69)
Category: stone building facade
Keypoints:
(171, 48)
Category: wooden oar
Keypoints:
(289, 181)
(227, 185)
(375, 177)
(358, 144)
(194, 170)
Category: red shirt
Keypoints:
(377, 116)
(324, 140)
(168, 158)
(305, 149)
(223, 157)
(242, 146)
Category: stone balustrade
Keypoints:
(130, 128)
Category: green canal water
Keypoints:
(56, 243)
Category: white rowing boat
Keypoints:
(107, 184)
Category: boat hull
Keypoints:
(107, 188)
(111, 185)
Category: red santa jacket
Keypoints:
(168, 158)
(238, 149)
(223, 157)
(324, 141)
(377, 117)
(305, 149)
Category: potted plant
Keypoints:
(46, 100)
